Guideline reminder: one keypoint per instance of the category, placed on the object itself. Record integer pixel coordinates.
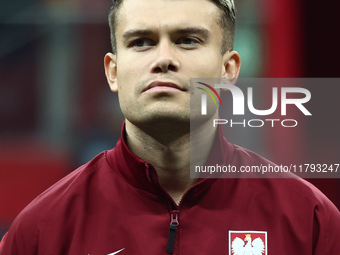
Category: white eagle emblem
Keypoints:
(239, 247)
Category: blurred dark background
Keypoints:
(57, 112)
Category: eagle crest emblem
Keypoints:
(248, 243)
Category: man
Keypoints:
(139, 198)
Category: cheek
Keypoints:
(208, 66)
(129, 70)
(127, 78)
(125, 75)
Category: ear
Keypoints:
(110, 64)
(232, 65)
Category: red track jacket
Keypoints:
(114, 205)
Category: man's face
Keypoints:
(161, 44)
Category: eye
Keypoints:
(141, 44)
(188, 42)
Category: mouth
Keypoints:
(158, 86)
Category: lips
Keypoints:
(163, 86)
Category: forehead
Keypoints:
(167, 14)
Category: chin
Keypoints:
(164, 121)
(170, 118)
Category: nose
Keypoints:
(165, 59)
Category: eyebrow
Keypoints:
(137, 32)
(145, 32)
(194, 30)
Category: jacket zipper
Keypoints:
(174, 222)
(174, 217)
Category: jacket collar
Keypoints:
(142, 175)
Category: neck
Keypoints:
(169, 152)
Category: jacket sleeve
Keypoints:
(3, 240)
(326, 229)
(22, 237)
